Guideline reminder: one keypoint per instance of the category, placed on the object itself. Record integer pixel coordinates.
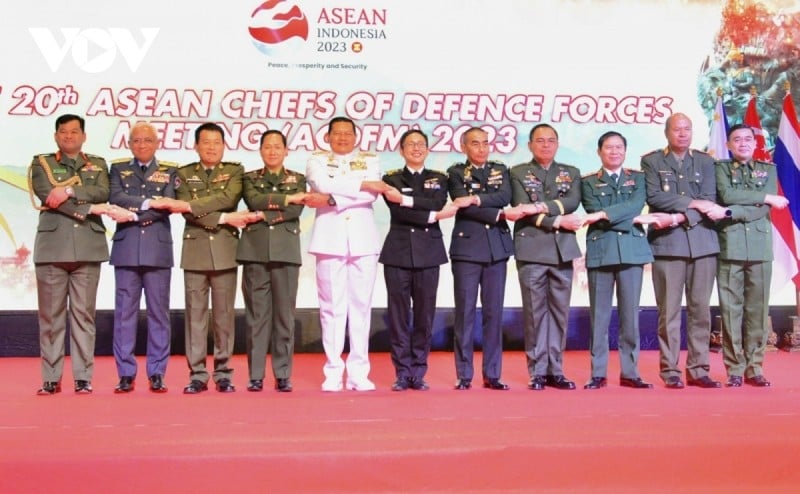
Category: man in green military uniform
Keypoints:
(207, 195)
(748, 189)
(69, 247)
(270, 252)
(616, 252)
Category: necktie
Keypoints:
(144, 168)
(614, 178)
(208, 172)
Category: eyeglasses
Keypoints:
(420, 145)
(145, 140)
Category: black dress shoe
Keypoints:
(734, 382)
(157, 384)
(283, 384)
(49, 388)
(559, 382)
(401, 384)
(596, 383)
(635, 382)
(125, 385)
(495, 384)
(704, 382)
(83, 387)
(419, 384)
(537, 383)
(758, 381)
(673, 382)
(463, 384)
(255, 385)
(224, 385)
(195, 387)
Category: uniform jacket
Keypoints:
(277, 238)
(412, 242)
(69, 233)
(747, 234)
(670, 189)
(148, 241)
(478, 235)
(346, 227)
(616, 240)
(558, 188)
(207, 245)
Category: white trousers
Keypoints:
(344, 287)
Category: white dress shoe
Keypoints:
(360, 385)
(332, 385)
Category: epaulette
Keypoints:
(457, 164)
(169, 164)
(319, 152)
(724, 162)
(367, 154)
(593, 174)
(229, 163)
(121, 161)
(440, 172)
(631, 171)
(664, 151)
(692, 151)
(767, 163)
(188, 165)
(254, 173)
(394, 172)
(494, 162)
(88, 155)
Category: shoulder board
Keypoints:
(765, 163)
(438, 172)
(230, 163)
(254, 173)
(692, 151)
(319, 152)
(724, 162)
(591, 174)
(168, 164)
(492, 162)
(394, 172)
(655, 151)
(190, 165)
(631, 171)
(88, 155)
(367, 154)
(121, 161)
(455, 165)
(291, 172)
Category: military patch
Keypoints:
(159, 178)
(125, 173)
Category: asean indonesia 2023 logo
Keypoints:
(278, 23)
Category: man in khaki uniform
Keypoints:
(69, 247)
(748, 188)
(270, 252)
(207, 195)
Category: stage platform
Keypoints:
(613, 440)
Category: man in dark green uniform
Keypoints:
(207, 195)
(270, 252)
(616, 252)
(748, 188)
(69, 247)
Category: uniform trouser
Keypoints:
(130, 281)
(602, 281)
(63, 288)
(744, 306)
(410, 333)
(344, 287)
(545, 291)
(490, 278)
(270, 297)
(671, 276)
(222, 285)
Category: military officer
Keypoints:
(141, 254)
(616, 251)
(681, 194)
(69, 247)
(479, 250)
(269, 250)
(748, 189)
(411, 256)
(207, 195)
(545, 195)
(344, 185)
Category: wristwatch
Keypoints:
(331, 201)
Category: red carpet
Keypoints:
(611, 440)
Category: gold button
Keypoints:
(211, 237)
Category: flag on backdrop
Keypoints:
(718, 138)
(785, 221)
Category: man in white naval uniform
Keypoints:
(344, 184)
